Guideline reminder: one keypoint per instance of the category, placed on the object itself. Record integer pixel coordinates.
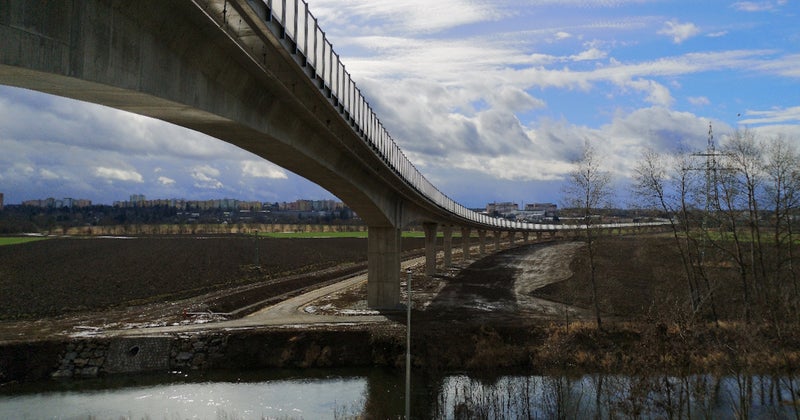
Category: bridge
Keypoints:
(259, 74)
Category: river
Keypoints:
(379, 393)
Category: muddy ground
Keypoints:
(527, 307)
(59, 276)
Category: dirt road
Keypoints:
(500, 282)
(540, 268)
(290, 312)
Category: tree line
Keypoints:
(734, 216)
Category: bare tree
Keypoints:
(651, 186)
(665, 182)
(728, 203)
(782, 197)
(587, 189)
(743, 156)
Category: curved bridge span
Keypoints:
(259, 74)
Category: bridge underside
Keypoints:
(215, 66)
(170, 61)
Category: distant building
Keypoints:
(137, 200)
(51, 202)
(502, 208)
(541, 206)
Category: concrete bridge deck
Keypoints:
(260, 75)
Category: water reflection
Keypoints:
(377, 393)
(615, 396)
(245, 395)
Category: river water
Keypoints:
(379, 393)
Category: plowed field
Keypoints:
(57, 276)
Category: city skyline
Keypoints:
(300, 204)
(491, 101)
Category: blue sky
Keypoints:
(491, 100)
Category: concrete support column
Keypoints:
(538, 236)
(383, 272)
(497, 240)
(512, 237)
(552, 234)
(482, 246)
(526, 237)
(448, 245)
(465, 232)
(430, 248)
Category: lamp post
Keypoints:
(408, 347)
(257, 263)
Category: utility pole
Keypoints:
(408, 347)
(711, 169)
(256, 239)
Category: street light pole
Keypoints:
(257, 261)
(408, 347)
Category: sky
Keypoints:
(491, 100)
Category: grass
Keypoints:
(313, 234)
(405, 234)
(13, 240)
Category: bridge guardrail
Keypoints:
(310, 42)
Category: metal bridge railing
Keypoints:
(310, 42)
(301, 27)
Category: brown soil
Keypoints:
(156, 279)
(648, 325)
(467, 317)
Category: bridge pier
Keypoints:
(465, 232)
(448, 245)
(383, 271)
(497, 241)
(526, 237)
(482, 239)
(512, 236)
(430, 248)
(538, 236)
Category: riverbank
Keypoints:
(493, 348)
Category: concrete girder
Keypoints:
(383, 250)
(447, 242)
(465, 245)
(430, 248)
(217, 67)
(169, 61)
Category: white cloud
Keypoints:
(772, 116)
(657, 94)
(515, 100)
(679, 31)
(262, 169)
(590, 54)
(405, 16)
(758, 6)
(787, 66)
(205, 177)
(206, 170)
(462, 91)
(115, 174)
(166, 181)
(47, 174)
(699, 100)
(563, 35)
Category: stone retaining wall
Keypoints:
(98, 356)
